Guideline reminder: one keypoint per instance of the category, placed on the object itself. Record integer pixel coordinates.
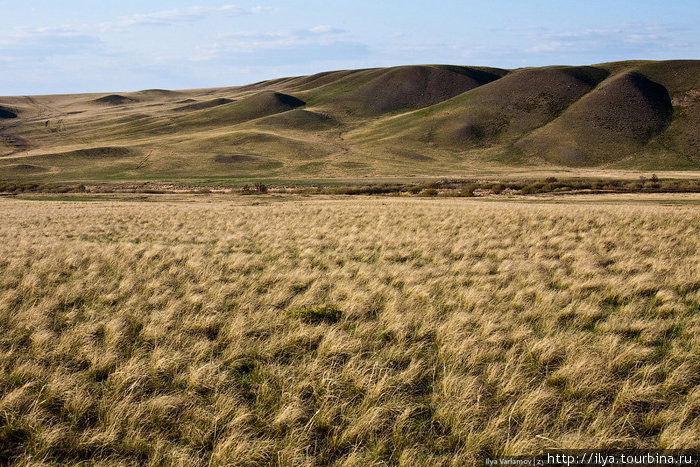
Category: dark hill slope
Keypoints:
(305, 83)
(375, 91)
(616, 119)
(496, 113)
(413, 87)
(203, 105)
(248, 108)
(298, 119)
(646, 115)
(7, 113)
(682, 80)
(114, 99)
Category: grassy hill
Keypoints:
(428, 120)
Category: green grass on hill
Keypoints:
(427, 120)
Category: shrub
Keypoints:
(533, 188)
(467, 191)
(429, 192)
(327, 313)
(497, 188)
(260, 187)
(654, 181)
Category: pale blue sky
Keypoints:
(49, 46)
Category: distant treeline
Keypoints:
(471, 188)
(443, 187)
(30, 187)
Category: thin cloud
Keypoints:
(250, 42)
(180, 16)
(325, 29)
(536, 45)
(285, 47)
(300, 54)
(39, 47)
(174, 17)
(627, 37)
(35, 44)
(60, 30)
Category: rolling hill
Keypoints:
(427, 120)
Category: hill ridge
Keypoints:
(398, 121)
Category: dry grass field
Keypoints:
(203, 332)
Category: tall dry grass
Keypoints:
(159, 333)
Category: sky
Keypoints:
(74, 46)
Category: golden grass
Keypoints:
(161, 333)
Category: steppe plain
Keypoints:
(199, 277)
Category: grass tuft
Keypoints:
(325, 313)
